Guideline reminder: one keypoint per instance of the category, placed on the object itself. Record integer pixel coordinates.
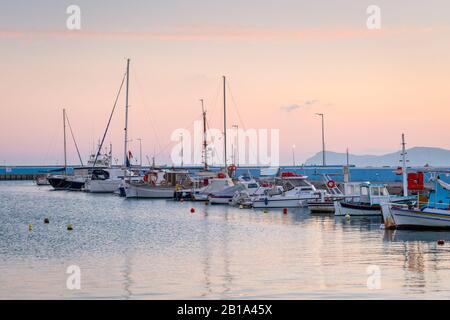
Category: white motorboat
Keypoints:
(435, 214)
(220, 183)
(156, 184)
(245, 197)
(244, 183)
(105, 180)
(296, 191)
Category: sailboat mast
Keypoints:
(224, 123)
(205, 144)
(405, 176)
(126, 161)
(65, 143)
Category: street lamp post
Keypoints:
(323, 138)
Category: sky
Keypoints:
(284, 60)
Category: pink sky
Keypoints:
(371, 86)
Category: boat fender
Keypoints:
(266, 201)
(440, 242)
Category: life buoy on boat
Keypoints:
(331, 184)
(146, 177)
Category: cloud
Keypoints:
(292, 107)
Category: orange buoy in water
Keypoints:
(440, 242)
(285, 210)
(192, 210)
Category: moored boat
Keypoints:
(156, 184)
(295, 192)
(435, 214)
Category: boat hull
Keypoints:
(354, 209)
(279, 203)
(220, 200)
(146, 191)
(102, 186)
(402, 218)
(59, 183)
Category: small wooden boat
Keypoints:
(435, 214)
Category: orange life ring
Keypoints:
(331, 184)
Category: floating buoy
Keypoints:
(440, 242)
(69, 227)
(347, 216)
(30, 227)
(192, 210)
(285, 210)
(46, 220)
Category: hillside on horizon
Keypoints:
(417, 156)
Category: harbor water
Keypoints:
(159, 249)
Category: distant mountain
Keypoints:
(417, 156)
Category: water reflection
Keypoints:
(158, 249)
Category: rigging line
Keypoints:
(109, 120)
(74, 141)
(235, 105)
(214, 108)
(171, 142)
(144, 102)
(213, 146)
(239, 117)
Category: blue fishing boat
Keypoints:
(435, 214)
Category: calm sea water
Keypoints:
(158, 249)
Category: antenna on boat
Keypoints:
(224, 123)
(205, 143)
(405, 177)
(126, 161)
(65, 152)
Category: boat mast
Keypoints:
(205, 144)
(405, 176)
(65, 144)
(126, 161)
(224, 123)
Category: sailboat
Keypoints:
(108, 180)
(65, 181)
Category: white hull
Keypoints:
(102, 186)
(280, 203)
(147, 191)
(341, 211)
(407, 218)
